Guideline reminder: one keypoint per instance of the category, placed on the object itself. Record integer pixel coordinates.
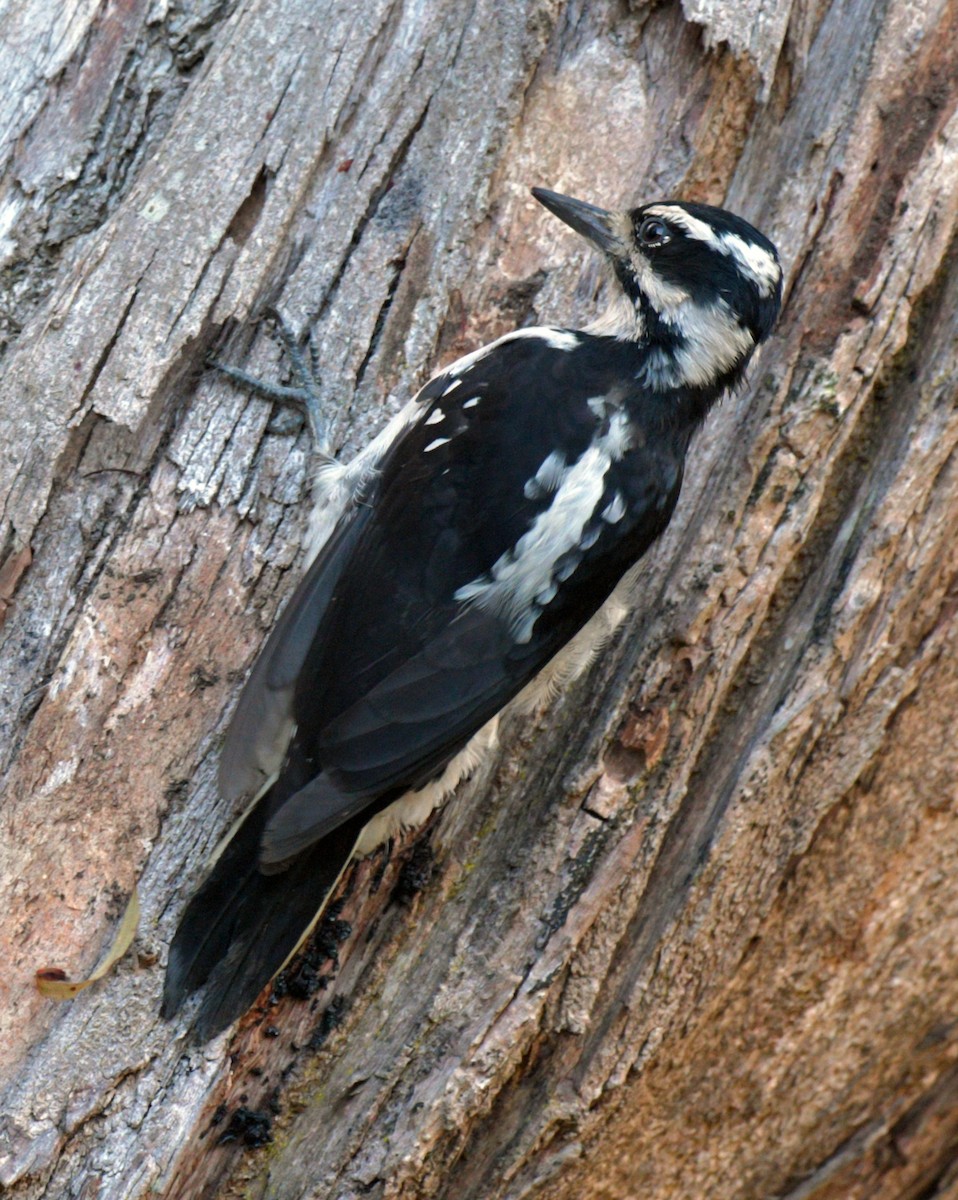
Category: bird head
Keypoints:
(699, 286)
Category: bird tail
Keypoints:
(243, 926)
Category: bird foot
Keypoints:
(305, 396)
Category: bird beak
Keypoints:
(594, 224)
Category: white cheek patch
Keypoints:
(713, 338)
(524, 579)
(716, 342)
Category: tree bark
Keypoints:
(694, 933)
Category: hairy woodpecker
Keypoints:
(471, 559)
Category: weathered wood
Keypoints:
(694, 934)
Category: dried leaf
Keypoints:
(53, 983)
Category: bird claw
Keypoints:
(305, 396)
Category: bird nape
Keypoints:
(475, 556)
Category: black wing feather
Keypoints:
(242, 925)
(254, 746)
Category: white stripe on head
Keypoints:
(755, 262)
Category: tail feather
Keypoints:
(242, 926)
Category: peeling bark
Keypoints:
(694, 933)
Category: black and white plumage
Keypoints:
(470, 559)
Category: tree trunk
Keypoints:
(694, 933)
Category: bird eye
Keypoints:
(654, 232)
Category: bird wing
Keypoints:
(491, 531)
(263, 722)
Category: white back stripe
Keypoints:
(524, 579)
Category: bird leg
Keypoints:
(305, 396)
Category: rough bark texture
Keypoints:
(695, 934)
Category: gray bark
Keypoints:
(694, 933)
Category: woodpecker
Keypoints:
(471, 560)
